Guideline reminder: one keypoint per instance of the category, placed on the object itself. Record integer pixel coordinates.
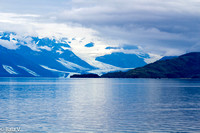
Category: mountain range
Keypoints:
(32, 56)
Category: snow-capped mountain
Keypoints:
(28, 56)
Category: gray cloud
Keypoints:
(150, 23)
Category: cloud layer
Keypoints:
(161, 27)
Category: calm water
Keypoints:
(100, 105)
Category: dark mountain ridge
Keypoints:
(184, 66)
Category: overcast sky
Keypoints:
(169, 27)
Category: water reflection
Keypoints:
(100, 105)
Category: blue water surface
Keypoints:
(100, 105)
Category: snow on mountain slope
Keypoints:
(29, 71)
(63, 73)
(9, 69)
(71, 65)
(51, 69)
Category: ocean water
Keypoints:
(99, 105)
